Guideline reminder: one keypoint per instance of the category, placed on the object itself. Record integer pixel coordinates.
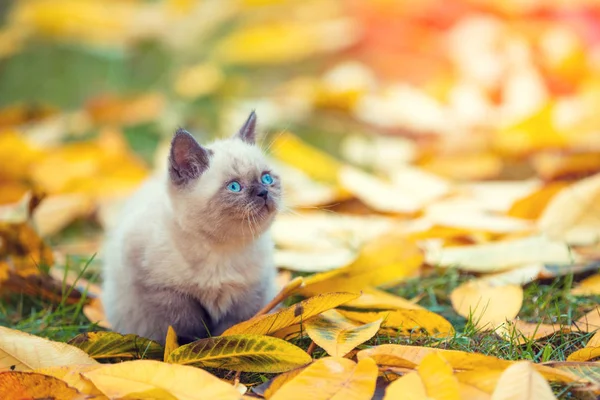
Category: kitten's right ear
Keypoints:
(187, 160)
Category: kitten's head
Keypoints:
(225, 190)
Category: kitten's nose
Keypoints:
(263, 193)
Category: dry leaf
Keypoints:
(590, 286)
(155, 379)
(250, 353)
(590, 351)
(523, 332)
(409, 387)
(533, 205)
(21, 351)
(270, 323)
(29, 385)
(332, 378)
(503, 255)
(487, 306)
(438, 378)
(72, 375)
(170, 343)
(590, 321)
(572, 214)
(276, 383)
(372, 298)
(522, 381)
(102, 344)
(383, 261)
(338, 335)
(409, 322)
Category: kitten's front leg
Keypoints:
(158, 308)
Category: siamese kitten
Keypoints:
(193, 249)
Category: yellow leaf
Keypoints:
(465, 166)
(554, 166)
(319, 165)
(273, 43)
(338, 335)
(23, 352)
(198, 80)
(29, 385)
(18, 155)
(94, 311)
(590, 286)
(249, 353)
(158, 380)
(590, 351)
(572, 214)
(270, 323)
(385, 260)
(499, 256)
(332, 379)
(522, 332)
(280, 380)
(410, 322)
(590, 321)
(484, 379)
(56, 212)
(521, 381)
(395, 355)
(589, 372)
(170, 342)
(72, 376)
(372, 298)
(102, 344)
(408, 387)
(438, 378)
(537, 132)
(487, 306)
(532, 206)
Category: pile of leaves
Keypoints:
(441, 164)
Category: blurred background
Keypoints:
(470, 90)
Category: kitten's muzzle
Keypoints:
(264, 193)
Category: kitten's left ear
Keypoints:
(248, 131)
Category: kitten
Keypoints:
(193, 249)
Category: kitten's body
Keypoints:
(189, 254)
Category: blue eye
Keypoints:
(267, 179)
(234, 186)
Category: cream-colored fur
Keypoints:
(171, 240)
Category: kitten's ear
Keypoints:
(248, 132)
(187, 160)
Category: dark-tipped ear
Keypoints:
(187, 160)
(248, 132)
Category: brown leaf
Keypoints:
(29, 385)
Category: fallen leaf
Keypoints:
(409, 387)
(484, 379)
(372, 298)
(276, 383)
(492, 257)
(332, 378)
(590, 351)
(158, 380)
(487, 306)
(589, 372)
(57, 211)
(555, 166)
(102, 344)
(338, 335)
(315, 163)
(465, 166)
(383, 261)
(409, 322)
(590, 286)
(170, 342)
(438, 377)
(275, 43)
(21, 351)
(590, 321)
(395, 355)
(572, 214)
(315, 261)
(112, 110)
(270, 323)
(249, 353)
(522, 381)
(533, 205)
(72, 376)
(29, 385)
(523, 332)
